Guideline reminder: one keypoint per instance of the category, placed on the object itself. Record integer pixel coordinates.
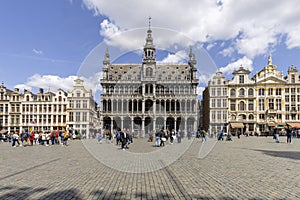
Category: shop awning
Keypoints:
(294, 124)
(3, 131)
(236, 125)
(271, 124)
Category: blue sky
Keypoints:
(46, 43)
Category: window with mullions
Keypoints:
(241, 79)
(261, 104)
(271, 104)
(278, 91)
(278, 104)
(261, 91)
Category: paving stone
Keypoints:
(246, 168)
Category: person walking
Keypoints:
(118, 136)
(123, 137)
(157, 138)
(289, 135)
(276, 132)
(32, 138)
(178, 136)
(15, 138)
(172, 136)
(162, 138)
(99, 137)
(221, 136)
(66, 137)
(203, 135)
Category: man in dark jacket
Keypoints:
(123, 138)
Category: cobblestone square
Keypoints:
(246, 168)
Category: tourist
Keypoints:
(157, 138)
(66, 137)
(15, 139)
(289, 135)
(32, 138)
(118, 132)
(203, 135)
(162, 138)
(276, 133)
(172, 136)
(123, 137)
(99, 137)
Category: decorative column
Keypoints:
(143, 111)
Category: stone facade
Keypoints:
(47, 111)
(149, 96)
(257, 104)
(82, 111)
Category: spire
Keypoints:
(106, 60)
(149, 22)
(149, 39)
(191, 53)
(269, 60)
(192, 57)
(149, 49)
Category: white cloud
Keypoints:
(227, 51)
(293, 38)
(108, 29)
(200, 90)
(204, 78)
(210, 46)
(38, 52)
(245, 62)
(255, 26)
(178, 57)
(53, 82)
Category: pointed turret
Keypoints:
(192, 60)
(106, 60)
(149, 49)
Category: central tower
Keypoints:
(149, 62)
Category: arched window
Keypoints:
(232, 92)
(242, 92)
(149, 71)
(251, 117)
(250, 92)
(242, 106)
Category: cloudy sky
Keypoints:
(49, 43)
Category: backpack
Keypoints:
(66, 135)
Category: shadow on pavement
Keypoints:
(295, 155)
(14, 193)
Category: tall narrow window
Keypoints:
(241, 79)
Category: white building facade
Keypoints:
(259, 104)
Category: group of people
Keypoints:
(123, 138)
(162, 136)
(34, 138)
(289, 134)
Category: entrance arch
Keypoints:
(117, 123)
(148, 125)
(159, 123)
(190, 124)
(127, 123)
(137, 126)
(170, 123)
(106, 123)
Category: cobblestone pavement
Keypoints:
(249, 168)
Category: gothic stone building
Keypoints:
(149, 96)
